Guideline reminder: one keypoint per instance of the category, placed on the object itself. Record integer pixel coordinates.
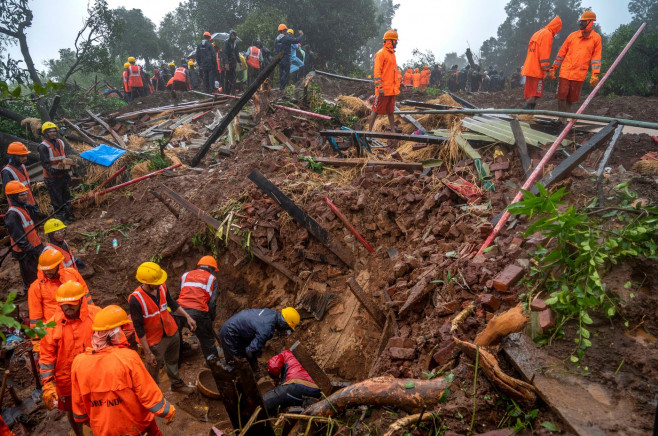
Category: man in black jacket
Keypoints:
(231, 57)
(246, 333)
(282, 43)
(56, 177)
(205, 58)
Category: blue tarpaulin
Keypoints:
(103, 154)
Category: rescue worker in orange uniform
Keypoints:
(254, 56)
(15, 169)
(198, 296)
(155, 327)
(537, 64)
(70, 337)
(126, 84)
(112, 390)
(181, 80)
(408, 78)
(41, 297)
(387, 84)
(135, 79)
(424, 78)
(579, 51)
(416, 79)
(57, 180)
(19, 220)
(55, 230)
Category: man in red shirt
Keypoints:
(295, 383)
(387, 82)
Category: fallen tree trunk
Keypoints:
(512, 321)
(406, 394)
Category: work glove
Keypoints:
(551, 74)
(170, 416)
(49, 395)
(594, 79)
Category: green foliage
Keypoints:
(314, 166)
(259, 24)
(581, 247)
(97, 239)
(158, 162)
(517, 418)
(139, 40)
(420, 59)
(75, 101)
(7, 307)
(451, 59)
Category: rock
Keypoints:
(489, 302)
(178, 263)
(508, 277)
(400, 268)
(399, 342)
(523, 263)
(485, 229)
(546, 320)
(402, 353)
(499, 166)
(538, 305)
(448, 308)
(445, 354)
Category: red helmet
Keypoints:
(207, 34)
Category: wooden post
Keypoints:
(111, 131)
(303, 218)
(521, 145)
(317, 374)
(367, 302)
(219, 130)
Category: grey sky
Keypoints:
(437, 25)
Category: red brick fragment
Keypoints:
(508, 277)
(445, 354)
(402, 353)
(499, 166)
(398, 342)
(546, 320)
(538, 305)
(489, 302)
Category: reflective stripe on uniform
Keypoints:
(26, 223)
(154, 409)
(51, 155)
(80, 416)
(35, 321)
(47, 366)
(559, 58)
(45, 375)
(596, 61)
(145, 312)
(167, 407)
(205, 286)
(15, 176)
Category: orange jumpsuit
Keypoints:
(416, 78)
(538, 58)
(41, 301)
(63, 342)
(424, 78)
(408, 78)
(115, 393)
(386, 76)
(577, 53)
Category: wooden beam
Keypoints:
(303, 218)
(429, 139)
(367, 302)
(411, 166)
(461, 101)
(566, 166)
(521, 146)
(212, 222)
(337, 76)
(111, 131)
(235, 110)
(80, 132)
(604, 162)
(427, 105)
(310, 365)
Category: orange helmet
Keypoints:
(69, 292)
(50, 259)
(208, 261)
(207, 34)
(18, 149)
(14, 187)
(588, 15)
(391, 34)
(109, 317)
(282, 27)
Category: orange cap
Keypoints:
(18, 149)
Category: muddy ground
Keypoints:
(417, 227)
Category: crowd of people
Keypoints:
(221, 66)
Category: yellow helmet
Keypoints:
(53, 225)
(109, 317)
(126, 65)
(131, 59)
(47, 126)
(69, 292)
(190, 63)
(172, 64)
(290, 31)
(50, 259)
(150, 273)
(291, 316)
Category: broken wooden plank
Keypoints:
(367, 302)
(411, 166)
(521, 146)
(420, 290)
(235, 110)
(337, 76)
(111, 131)
(427, 105)
(604, 162)
(80, 132)
(310, 365)
(587, 407)
(566, 166)
(212, 222)
(430, 139)
(303, 218)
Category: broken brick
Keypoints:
(445, 354)
(399, 342)
(448, 308)
(538, 305)
(499, 166)
(402, 353)
(485, 229)
(546, 320)
(518, 241)
(489, 302)
(508, 277)
(400, 268)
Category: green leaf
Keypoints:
(628, 285)
(611, 311)
(409, 385)
(16, 92)
(574, 359)
(548, 425)
(585, 317)
(451, 254)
